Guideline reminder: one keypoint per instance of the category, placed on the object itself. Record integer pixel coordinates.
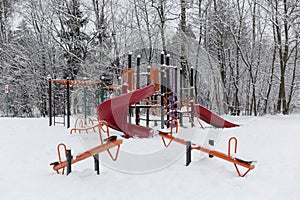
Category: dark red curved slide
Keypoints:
(212, 118)
(114, 112)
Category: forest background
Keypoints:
(245, 52)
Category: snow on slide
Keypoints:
(114, 111)
(212, 118)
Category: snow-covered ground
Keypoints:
(149, 171)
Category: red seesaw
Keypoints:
(249, 165)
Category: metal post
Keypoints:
(192, 81)
(68, 103)
(175, 96)
(148, 110)
(97, 163)
(129, 59)
(168, 71)
(137, 110)
(50, 101)
(180, 85)
(176, 79)
(138, 63)
(162, 85)
(188, 153)
(180, 94)
(192, 95)
(129, 67)
(69, 161)
(168, 88)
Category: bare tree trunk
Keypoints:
(115, 42)
(271, 80)
(290, 96)
(183, 53)
(283, 55)
(161, 10)
(198, 47)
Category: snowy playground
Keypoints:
(144, 144)
(29, 145)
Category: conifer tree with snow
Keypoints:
(73, 38)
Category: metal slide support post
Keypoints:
(175, 96)
(137, 110)
(69, 161)
(68, 103)
(50, 101)
(129, 67)
(176, 79)
(129, 59)
(192, 95)
(168, 88)
(181, 96)
(162, 91)
(138, 63)
(97, 163)
(188, 153)
(148, 110)
(54, 103)
(119, 83)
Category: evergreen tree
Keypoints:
(74, 40)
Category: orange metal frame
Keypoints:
(154, 77)
(89, 153)
(82, 122)
(128, 77)
(227, 157)
(171, 131)
(76, 83)
(104, 146)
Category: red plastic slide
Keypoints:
(114, 111)
(212, 118)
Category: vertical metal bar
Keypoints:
(129, 59)
(176, 79)
(168, 71)
(64, 108)
(148, 110)
(69, 161)
(162, 86)
(162, 58)
(181, 95)
(138, 63)
(129, 67)
(97, 163)
(68, 103)
(181, 84)
(54, 104)
(192, 81)
(137, 110)
(50, 101)
(188, 153)
(192, 94)
(168, 88)
(175, 95)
